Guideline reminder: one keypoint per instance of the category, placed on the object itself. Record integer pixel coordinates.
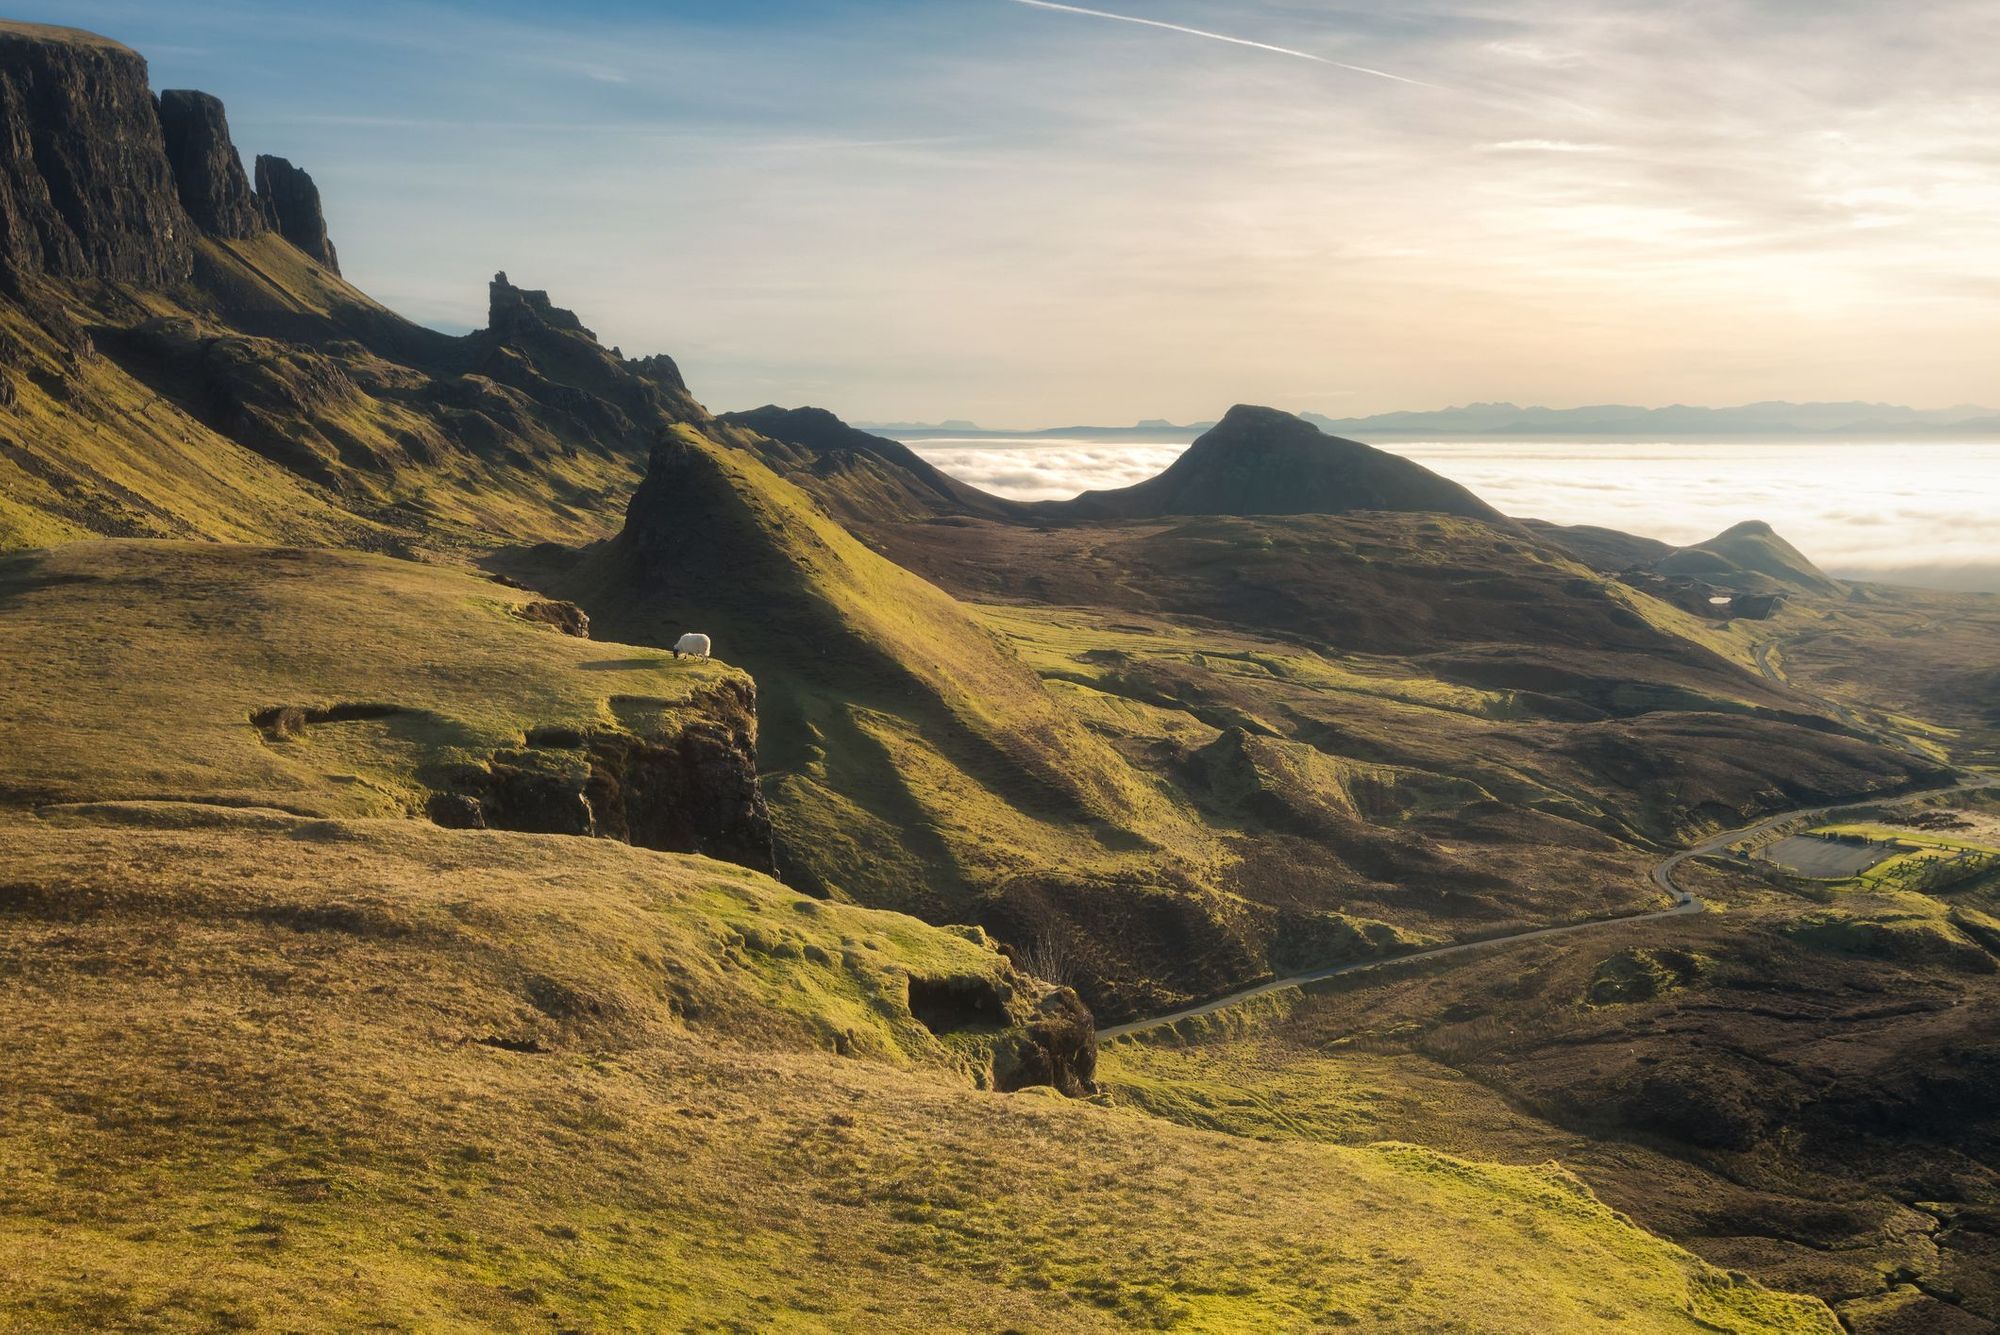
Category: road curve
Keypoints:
(1845, 713)
(1685, 902)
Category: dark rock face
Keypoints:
(85, 186)
(291, 206)
(1047, 1037)
(661, 369)
(689, 791)
(1057, 1047)
(565, 617)
(957, 1001)
(207, 171)
(695, 792)
(513, 311)
(535, 347)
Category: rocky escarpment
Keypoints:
(208, 174)
(687, 787)
(538, 348)
(85, 187)
(291, 206)
(100, 180)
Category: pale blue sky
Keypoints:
(1025, 214)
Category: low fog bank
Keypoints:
(1893, 512)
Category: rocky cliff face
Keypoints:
(85, 186)
(207, 171)
(688, 789)
(292, 208)
(532, 345)
(99, 180)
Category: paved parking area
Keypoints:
(1823, 857)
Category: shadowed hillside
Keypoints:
(1259, 461)
(859, 478)
(1750, 557)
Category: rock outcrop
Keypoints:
(1057, 1046)
(208, 174)
(661, 369)
(538, 348)
(1041, 1034)
(688, 789)
(85, 187)
(291, 207)
(557, 615)
(512, 312)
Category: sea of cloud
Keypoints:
(1912, 512)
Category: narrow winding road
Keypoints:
(1845, 713)
(1685, 902)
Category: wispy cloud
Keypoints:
(1222, 37)
(991, 212)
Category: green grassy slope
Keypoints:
(911, 758)
(266, 1071)
(135, 670)
(86, 449)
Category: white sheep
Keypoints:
(695, 646)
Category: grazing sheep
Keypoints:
(691, 644)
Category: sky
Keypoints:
(1026, 213)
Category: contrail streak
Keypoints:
(1221, 37)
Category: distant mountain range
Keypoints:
(959, 429)
(1510, 419)
(1676, 419)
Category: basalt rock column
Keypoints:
(207, 171)
(292, 208)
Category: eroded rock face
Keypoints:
(557, 615)
(1056, 1047)
(512, 311)
(691, 790)
(291, 206)
(85, 186)
(661, 369)
(1045, 1034)
(207, 171)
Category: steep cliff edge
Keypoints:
(85, 186)
(292, 209)
(208, 174)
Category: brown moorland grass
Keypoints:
(271, 1071)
